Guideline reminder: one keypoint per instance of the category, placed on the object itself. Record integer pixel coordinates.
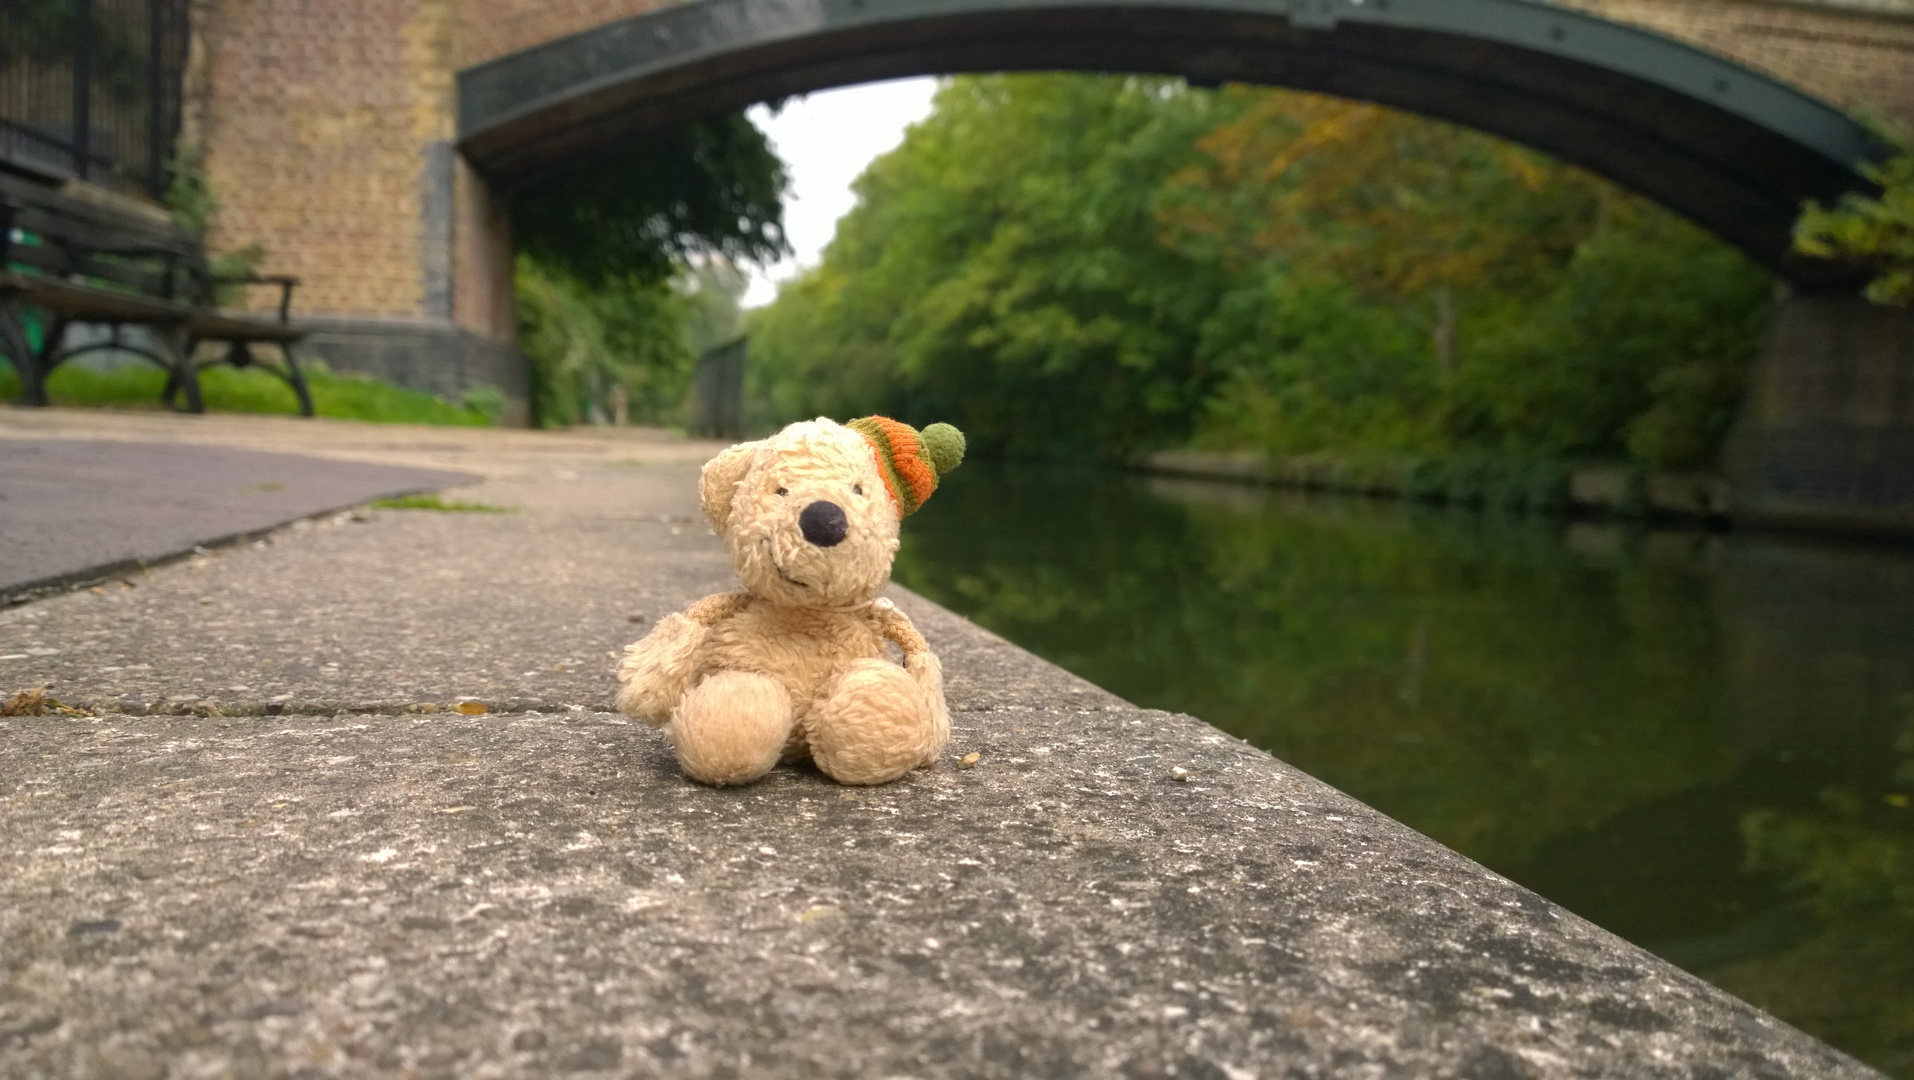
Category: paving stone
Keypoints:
(72, 508)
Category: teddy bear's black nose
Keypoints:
(823, 523)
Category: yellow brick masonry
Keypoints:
(314, 119)
(1858, 55)
(492, 28)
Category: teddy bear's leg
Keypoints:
(731, 728)
(876, 725)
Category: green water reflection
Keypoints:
(1701, 742)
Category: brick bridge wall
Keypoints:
(327, 130)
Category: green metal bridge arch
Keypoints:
(1733, 150)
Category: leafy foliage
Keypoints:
(1002, 269)
(649, 206)
(189, 192)
(1101, 266)
(627, 268)
(47, 32)
(583, 341)
(1878, 231)
(629, 336)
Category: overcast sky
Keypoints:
(826, 139)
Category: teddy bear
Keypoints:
(793, 665)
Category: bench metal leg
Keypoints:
(182, 378)
(26, 361)
(296, 379)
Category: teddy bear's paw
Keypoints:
(651, 677)
(731, 728)
(876, 725)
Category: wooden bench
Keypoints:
(82, 261)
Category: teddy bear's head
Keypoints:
(810, 515)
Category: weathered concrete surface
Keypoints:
(537, 893)
(533, 894)
(70, 506)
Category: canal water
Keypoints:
(1703, 742)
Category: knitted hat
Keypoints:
(910, 461)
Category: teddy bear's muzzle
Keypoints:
(823, 523)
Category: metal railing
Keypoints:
(92, 89)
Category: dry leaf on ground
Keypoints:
(37, 702)
(25, 703)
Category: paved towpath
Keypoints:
(275, 852)
(74, 509)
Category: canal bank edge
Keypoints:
(1107, 891)
(1603, 490)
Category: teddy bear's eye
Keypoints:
(784, 491)
(857, 489)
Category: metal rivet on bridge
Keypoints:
(1556, 33)
(1721, 86)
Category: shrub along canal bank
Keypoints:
(1701, 741)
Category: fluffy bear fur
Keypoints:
(793, 665)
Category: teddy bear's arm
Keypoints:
(922, 665)
(896, 626)
(655, 669)
(718, 607)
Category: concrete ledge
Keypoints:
(519, 895)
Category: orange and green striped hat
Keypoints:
(910, 461)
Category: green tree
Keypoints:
(583, 341)
(1002, 267)
(1877, 231)
(1078, 266)
(627, 265)
(645, 208)
(1557, 315)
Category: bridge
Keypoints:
(1731, 112)
(1725, 146)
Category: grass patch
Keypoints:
(343, 397)
(434, 502)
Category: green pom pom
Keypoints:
(944, 445)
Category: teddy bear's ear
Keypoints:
(718, 483)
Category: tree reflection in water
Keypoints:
(1698, 741)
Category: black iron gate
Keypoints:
(91, 89)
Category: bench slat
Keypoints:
(84, 304)
(100, 236)
(52, 259)
(121, 226)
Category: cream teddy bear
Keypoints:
(793, 664)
